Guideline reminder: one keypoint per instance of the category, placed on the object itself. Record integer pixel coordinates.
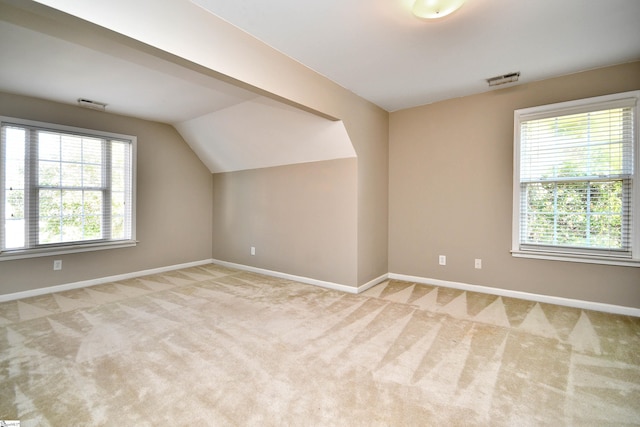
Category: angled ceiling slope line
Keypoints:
(262, 133)
(61, 71)
(51, 55)
(55, 56)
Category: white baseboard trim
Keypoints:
(98, 281)
(372, 283)
(307, 280)
(568, 302)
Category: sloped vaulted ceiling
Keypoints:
(262, 132)
(50, 55)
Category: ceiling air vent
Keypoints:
(94, 105)
(503, 79)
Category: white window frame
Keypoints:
(550, 253)
(75, 246)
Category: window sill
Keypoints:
(62, 250)
(590, 259)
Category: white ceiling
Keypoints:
(41, 65)
(380, 51)
(228, 127)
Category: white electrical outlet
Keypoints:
(253, 250)
(57, 264)
(442, 260)
(478, 263)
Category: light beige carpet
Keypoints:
(213, 346)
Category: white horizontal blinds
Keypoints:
(14, 143)
(121, 191)
(71, 188)
(576, 175)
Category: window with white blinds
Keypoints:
(64, 189)
(576, 182)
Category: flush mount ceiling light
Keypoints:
(433, 9)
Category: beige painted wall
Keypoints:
(243, 59)
(451, 192)
(300, 218)
(174, 202)
(368, 128)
